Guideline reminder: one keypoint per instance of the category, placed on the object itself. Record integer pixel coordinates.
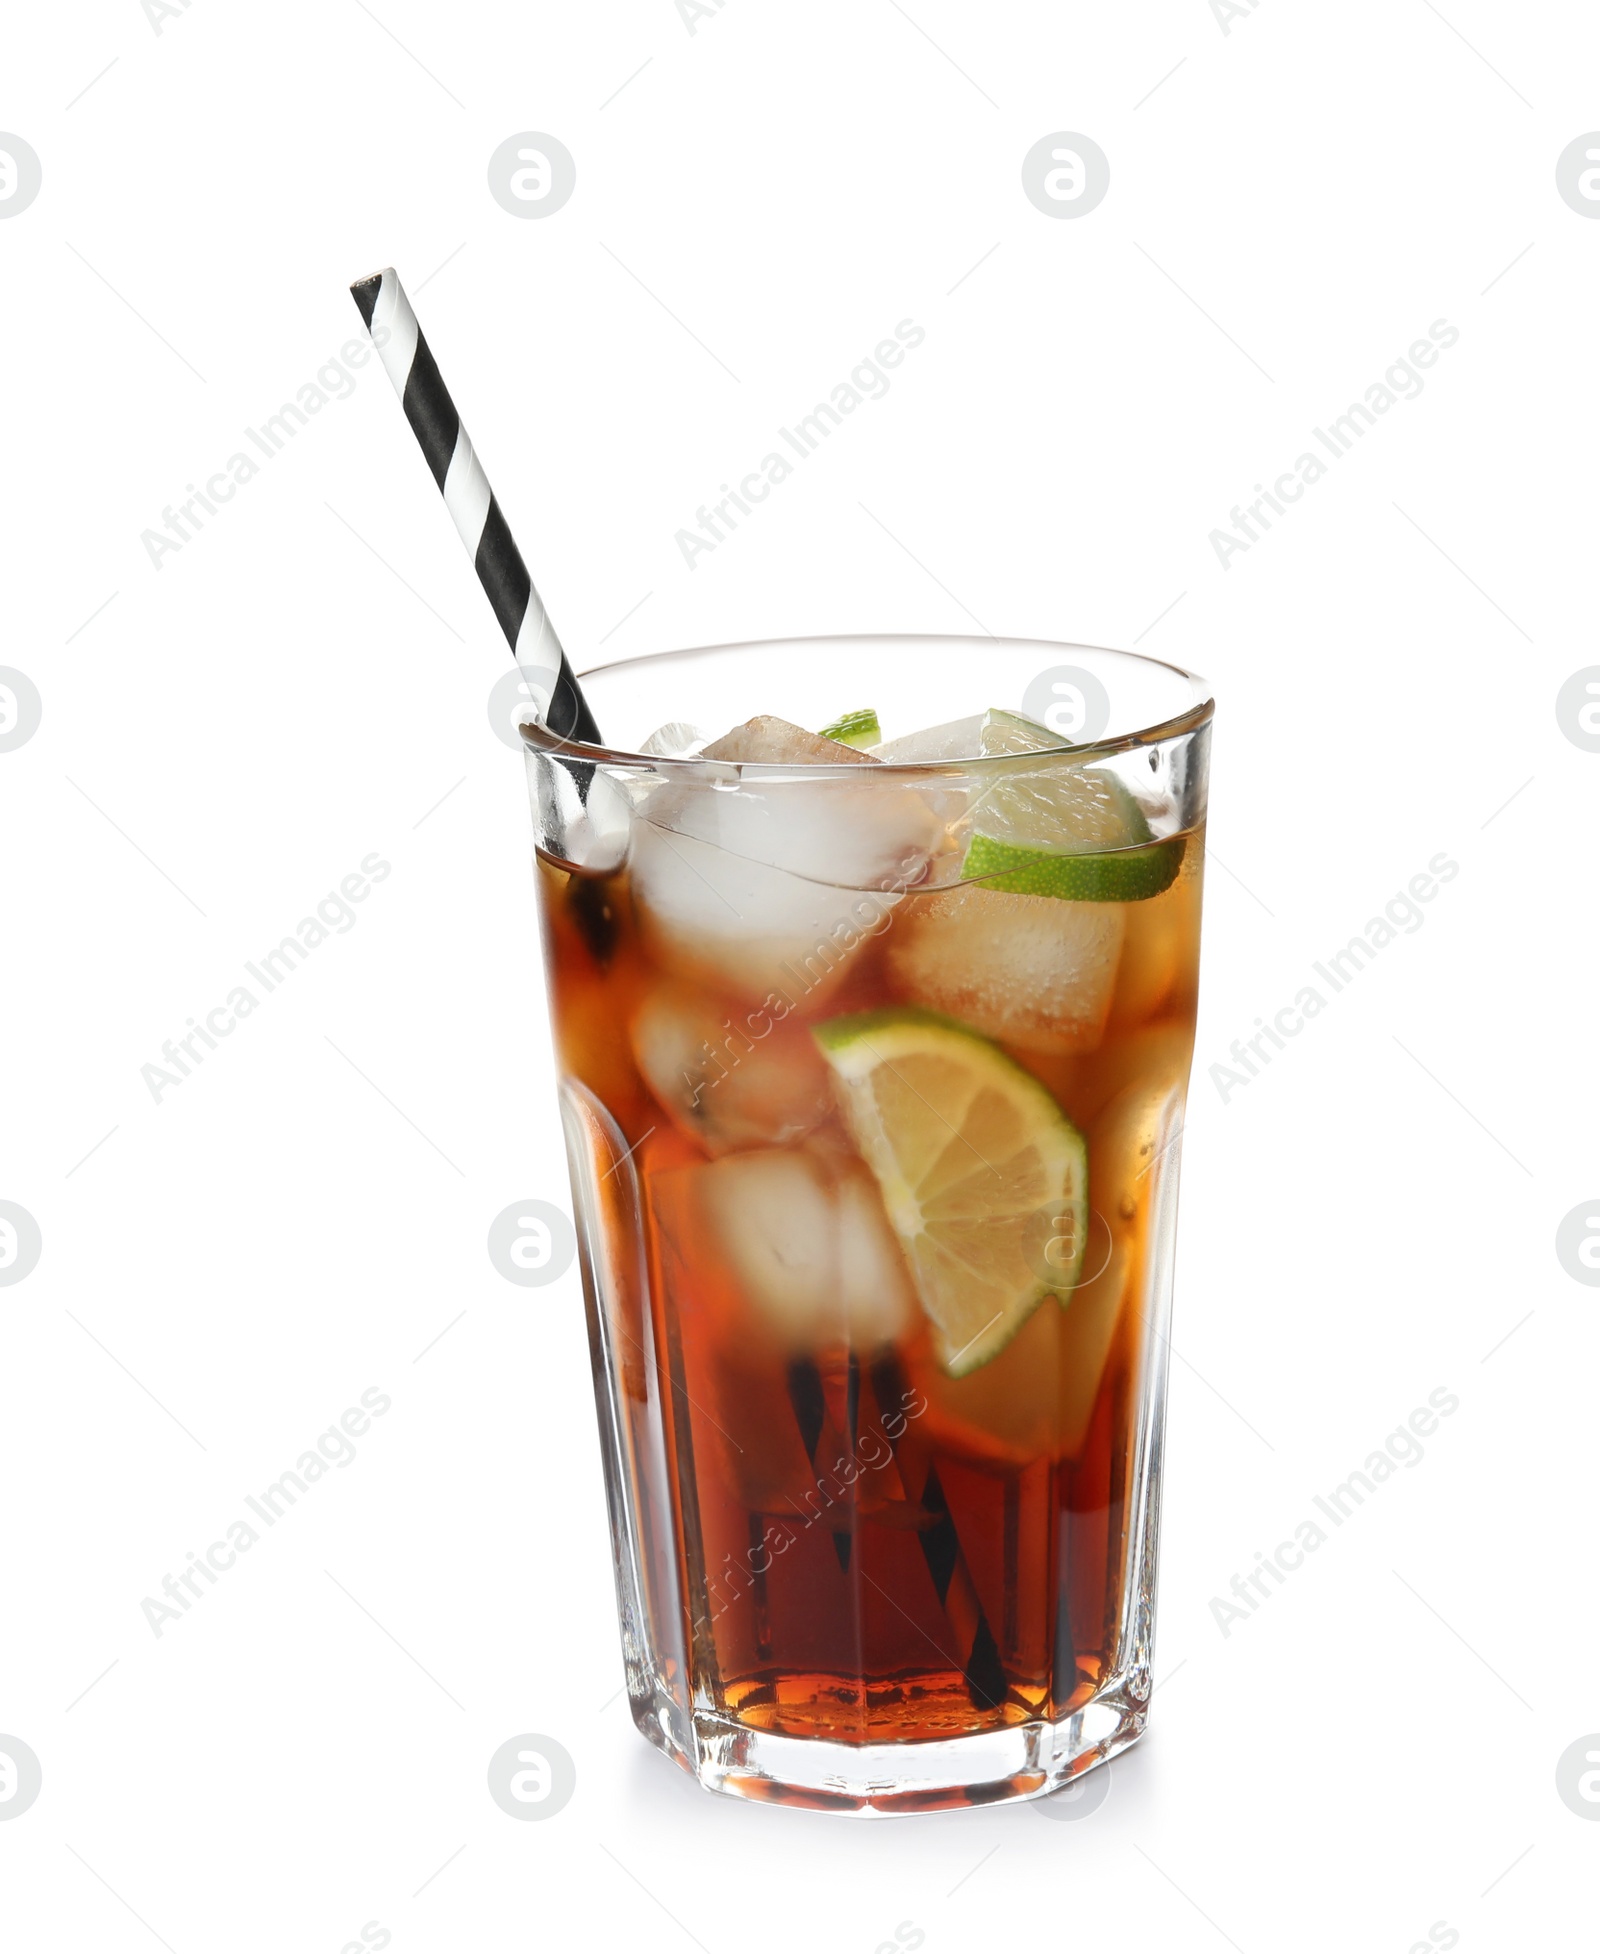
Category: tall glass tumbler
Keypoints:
(872, 1066)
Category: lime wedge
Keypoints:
(855, 728)
(983, 1177)
(1074, 832)
(1124, 875)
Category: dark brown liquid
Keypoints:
(864, 1548)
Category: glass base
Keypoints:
(998, 1767)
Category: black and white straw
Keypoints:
(982, 1669)
(447, 448)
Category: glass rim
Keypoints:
(539, 738)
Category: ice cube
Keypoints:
(1155, 1056)
(975, 737)
(1064, 806)
(729, 1078)
(1067, 806)
(677, 740)
(778, 741)
(582, 814)
(762, 887)
(958, 739)
(1087, 1335)
(1031, 971)
(846, 832)
(1158, 957)
(1012, 732)
(805, 1236)
(756, 934)
(1128, 1140)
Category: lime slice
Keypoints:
(983, 1177)
(1124, 875)
(1073, 832)
(855, 728)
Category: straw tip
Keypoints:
(365, 291)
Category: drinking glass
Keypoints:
(859, 1052)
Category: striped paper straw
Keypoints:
(447, 448)
(981, 1668)
(808, 1400)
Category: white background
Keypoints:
(1373, 1217)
